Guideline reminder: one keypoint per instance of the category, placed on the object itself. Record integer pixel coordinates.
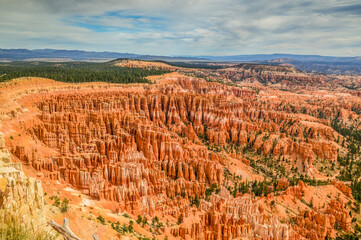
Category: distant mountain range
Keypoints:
(308, 63)
(77, 55)
(25, 54)
(267, 57)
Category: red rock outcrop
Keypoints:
(155, 149)
(224, 217)
(343, 188)
(298, 190)
(319, 224)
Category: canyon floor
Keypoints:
(240, 152)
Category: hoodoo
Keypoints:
(181, 158)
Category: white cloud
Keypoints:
(184, 27)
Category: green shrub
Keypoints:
(101, 220)
(64, 205)
(56, 200)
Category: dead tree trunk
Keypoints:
(65, 230)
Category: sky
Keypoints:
(184, 27)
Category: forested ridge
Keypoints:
(76, 72)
